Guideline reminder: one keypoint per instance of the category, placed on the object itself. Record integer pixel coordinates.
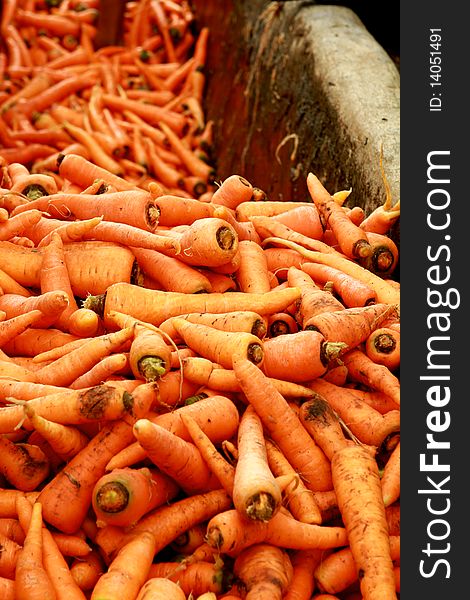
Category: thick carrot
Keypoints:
(352, 326)
(24, 466)
(154, 306)
(304, 220)
(179, 459)
(17, 225)
(233, 191)
(160, 588)
(252, 274)
(51, 304)
(68, 496)
(230, 533)
(357, 485)
(264, 571)
(79, 170)
(128, 571)
(149, 354)
(383, 347)
(217, 345)
(123, 496)
(31, 578)
(255, 492)
(300, 356)
(175, 210)
(284, 426)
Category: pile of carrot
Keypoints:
(199, 386)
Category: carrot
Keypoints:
(84, 322)
(68, 496)
(383, 347)
(265, 572)
(241, 321)
(313, 301)
(217, 416)
(230, 533)
(352, 240)
(357, 485)
(179, 459)
(16, 325)
(378, 377)
(223, 470)
(7, 588)
(31, 578)
(382, 218)
(303, 584)
(381, 402)
(352, 326)
(219, 282)
(367, 424)
(123, 496)
(338, 570)
(233, 191)
(11, 528)
(128, 571)
(283, 426)
(194, 165)
(9, 557)
(190, 541)
(87, 570)
(252, 275)
(304, 220)
(384, 291)
(175, 210)
(169, 521)
(154, 306)
(99, 373)
(172, 274)
(383, 259)
(300, 356)
(390, 481)
(255, 492)
(66, 369)
(160, 588)
(299, 499)
(51, 304)
(23, 465)
(245, 229)
(195, 578)
(59, 350)
(149, 355)
(65, 441)
(79, 170)
(219, 346)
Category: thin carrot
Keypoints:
(179, 459)
(265, 571)
(230, 533)
(31, 578)
(15, 326)
(242, 321)
(378, 377)
(194, 165)
(284, 426)
(385, 292)
(390, 480)
(87, 570)
(357, 485)
(9, 557)
(123, 496)
(103, 369)
(51, 304)
(367, 424)
(304, 563)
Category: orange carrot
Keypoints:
(23, 465)
(265, 572)
(378, 377)
(383, 259)
(31, 578)
(149, 355)
(154, 306)
(79, 170)
(303, 584)
(107, 366)
(304, 220)
(242, 321)
(284, 426)
(383, 347)
(123, 496)
(128, 571)
(357, 485)
(194, 165)
(230, 533)
(87, 570)
(367, 424)
(255, 492)
(15, 326)
(73, 486)
(390, 481)
(233, 191)
(177, 458)
(160, 588)
(252, 275)
(219, 346)
(300, 501)
(9, 557)
(51, 304)
(299, 356)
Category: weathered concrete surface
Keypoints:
(295, 87)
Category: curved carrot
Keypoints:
(233, 191)
(24, 466)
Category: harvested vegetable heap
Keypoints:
(199, 386)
